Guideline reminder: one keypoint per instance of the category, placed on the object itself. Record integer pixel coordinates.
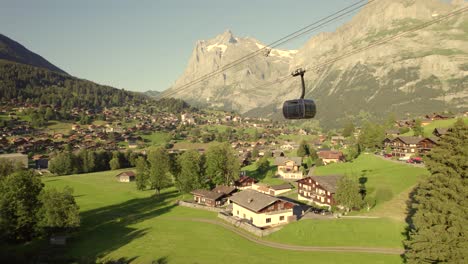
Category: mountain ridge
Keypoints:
(11, 50)
(422, 71)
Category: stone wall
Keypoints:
(199, 206)
(248, 227)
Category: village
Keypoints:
(260, 205)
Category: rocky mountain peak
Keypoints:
(226, 37)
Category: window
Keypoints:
(237, 212)
(268, 220)
(251, 220)
(282, 218)
(243, 216)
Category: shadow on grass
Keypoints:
(103, 230)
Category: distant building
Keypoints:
(329, 156)
(126, 176)
(289, 168)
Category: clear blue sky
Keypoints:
(145, 45)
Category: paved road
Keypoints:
(389, 251)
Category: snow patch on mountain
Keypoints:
(217, 46)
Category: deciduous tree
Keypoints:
(59, 212)
(222, 164)
(19, 205)
(348, 193)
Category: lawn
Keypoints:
(436, 124)
(157, 138)
(58, 127)
(384, 180)
(381, 232)
(119, 221)
(263, 177)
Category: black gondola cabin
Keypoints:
(299, 109)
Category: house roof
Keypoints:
(281, 187)
(126, 173)
(441, 131)
(253, 200)
(243, 179)
(410, 140)
(329, 182)
(330, 154)
(224, 189)
(207, 194)
(283, 160)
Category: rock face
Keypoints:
(420, 72)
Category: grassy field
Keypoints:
(157, 138)
(381, 232)
(384, 180)
(58, 127)
(119, 221)
(436, 124)
(263, 177)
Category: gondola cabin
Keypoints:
(299, 109)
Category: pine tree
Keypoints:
(438, 225)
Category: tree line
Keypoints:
(188, 171)
(84, 161)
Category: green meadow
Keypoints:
(120, 222)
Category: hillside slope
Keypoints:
(13, 51)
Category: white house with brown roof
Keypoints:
(289, 168)
(260, 209)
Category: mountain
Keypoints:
(154, 94)
(26, 77)
(13, 51)
(232, 89)
(421, 72)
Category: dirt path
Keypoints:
(390, 251)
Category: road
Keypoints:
(259, 241)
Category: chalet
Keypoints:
(273, 190)
(126, 176)
(329, 156)
(244, 182)
(16, 157)
(437, 117)
(260, 209)
(216, 197)
(318, 189)
(207, 197)
(439, 132)
(226, 190)
(289, 168)
(408, 146)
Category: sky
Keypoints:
(142, 45)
